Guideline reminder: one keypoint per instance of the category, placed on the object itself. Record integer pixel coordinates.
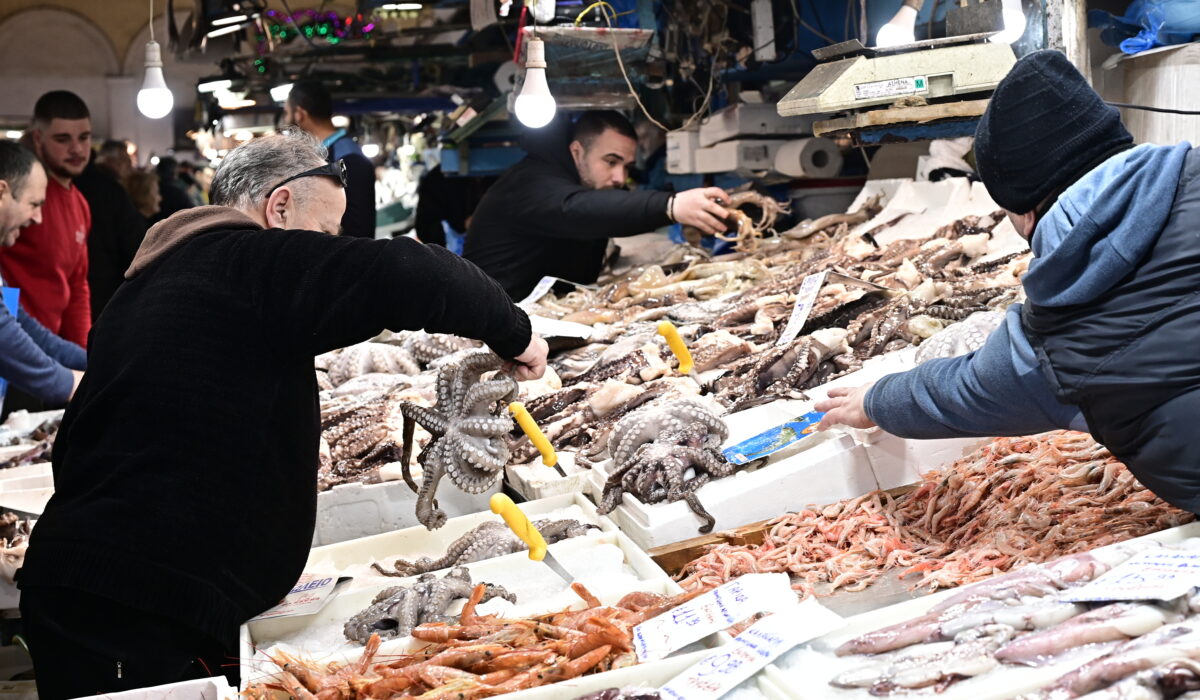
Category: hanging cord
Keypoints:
(520, 26)
(1164, 110)
(151, 20)
(712, 74)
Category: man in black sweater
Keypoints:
(186, 465)
(553, 213)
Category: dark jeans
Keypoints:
(83, 644)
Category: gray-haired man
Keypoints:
(186, 467)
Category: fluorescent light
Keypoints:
(14, 135)
(229, 20)
(225, 30)
(214, 85)
(402, 6)
(370, 150)
(341, 121)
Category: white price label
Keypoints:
(1162, 574)
(889, 88)
(712, 612)
(539, 290)
(768, 639)
(307, 597)
(809, 288)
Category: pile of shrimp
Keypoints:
(1012, 502)
(481, 656)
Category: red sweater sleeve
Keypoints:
(77, 317)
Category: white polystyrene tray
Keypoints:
(536, 481)
(216, 688)
(804, 673)
(651, 579)
(513, 571)
(826, 471)
(350, 511)
(414, 542)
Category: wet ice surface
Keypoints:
(599, 567)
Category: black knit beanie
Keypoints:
(1044, 128)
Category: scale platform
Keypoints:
(926, 90)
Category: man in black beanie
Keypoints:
(1106, 341)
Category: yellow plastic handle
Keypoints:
(530, 426)
(667, 330)
(517, 521)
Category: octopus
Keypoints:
(398, 610)
(369, 358)
(358, 438)
(747, 231)
(654, 448)
(429, 347)
(779, 371)
(468, 425)
(960, 338)
(486, 541)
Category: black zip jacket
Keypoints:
(538, 219)
(186, 466)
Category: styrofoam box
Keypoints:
(742, 154)
(349, 511)
(27, 488)
(826, 471)
(750, 120)
(414, 542)
(804, 673)
(535, 480)
(681, 151)
(216, 688)
(538, 590)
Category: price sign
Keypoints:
(809, 288)
(1161, 574)
(307, 597)
(768, 639)
(712, 612)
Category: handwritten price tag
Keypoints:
(712, 612)
(1156, 575)
(308, 596)
(809, 288)
(768, 639)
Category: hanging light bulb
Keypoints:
(154, 100)
(900, 30)
(535, 105)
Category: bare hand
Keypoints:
(530, 364)
(78, 377)
(699, 208)
(845, 406)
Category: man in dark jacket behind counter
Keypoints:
(553, 213)
(1107, 340)
(185, 470)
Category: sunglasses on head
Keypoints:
(336, 170)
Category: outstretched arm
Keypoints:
(998, 390)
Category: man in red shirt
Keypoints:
(50, 261)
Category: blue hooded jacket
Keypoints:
(1094, 236)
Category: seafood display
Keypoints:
(1103, 649)
(396, 611)
(481, 655)
(486, 541)
(31, 435)
(655, 447)
(1012, 502)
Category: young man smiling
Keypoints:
(50, 260)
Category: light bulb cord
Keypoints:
(151, 20)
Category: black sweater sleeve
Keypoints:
(323, 292)
(554, 207)
(359, 219)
